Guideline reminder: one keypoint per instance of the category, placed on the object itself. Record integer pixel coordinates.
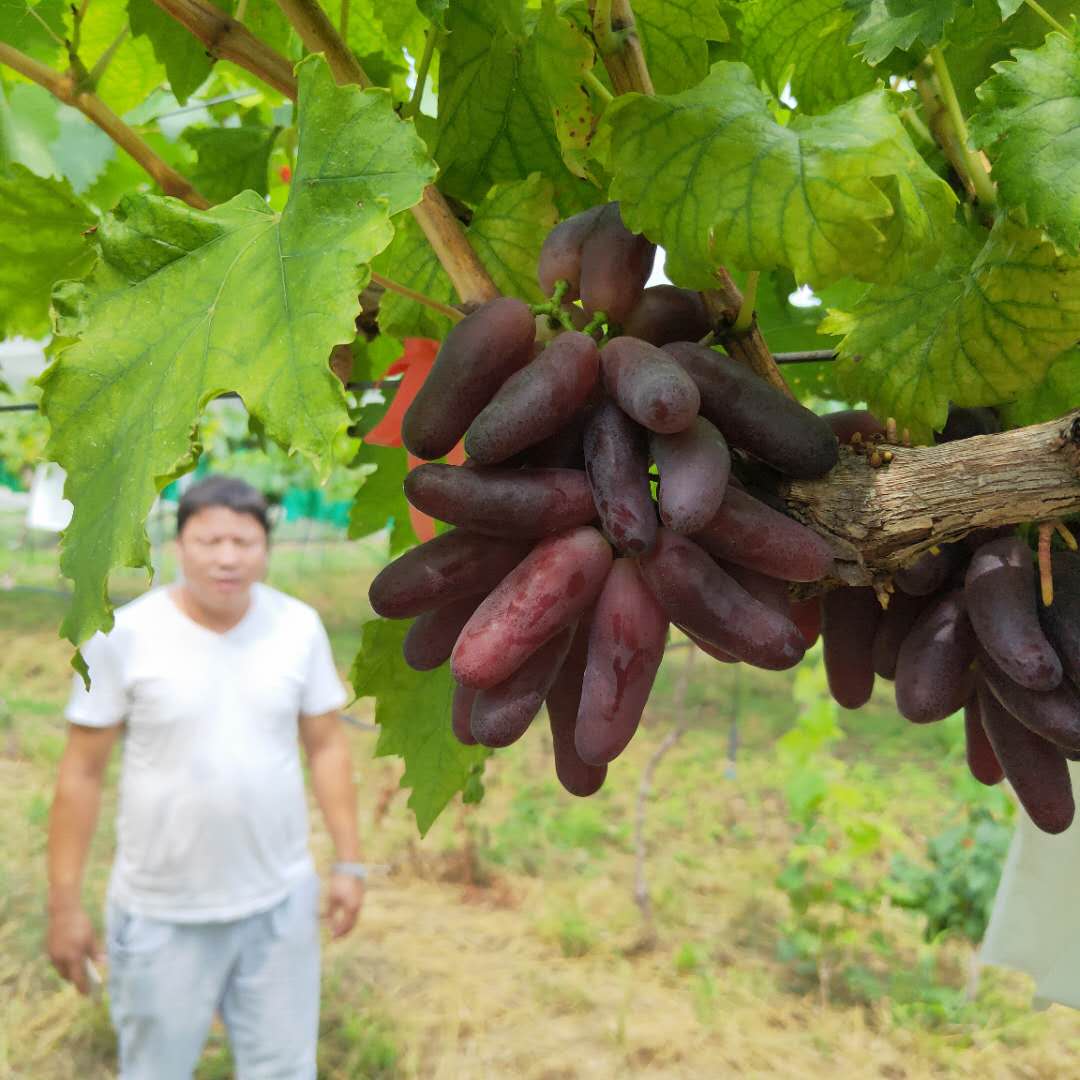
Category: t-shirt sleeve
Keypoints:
(323, 690)
(105, 703)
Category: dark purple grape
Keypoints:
(615, 264)
(502, 502)
(893, 626)
(963, 423)
(806, 614)
(461, 714)
(1000, 592)
(1035, 768)
(694, 467)
(626, 645)
(711, 605)
(1053, 714)
(576, 776)
(1061, 620)
(770, 591)
(849, 422)
(746, 531)
(430, 639)
(755, 416)
(667, 313)
(617, 465)
(537, 401)
(648, 385)
(933, 671)
(547, 592)
(560, 257)
(929, 571)
(849, 622)
(450, 567)
(982, 762)
(477, 356)
(502, 713)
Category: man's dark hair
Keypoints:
(228, 491)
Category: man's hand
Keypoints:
(344, 899)
(70, 942)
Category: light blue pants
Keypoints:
(261, 973)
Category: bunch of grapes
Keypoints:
(569, 558)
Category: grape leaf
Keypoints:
(713, 177)
(41, 225)
(26, 26)
(412, 709)
(132, 71)
(186, 60)
(231, 160)
(675, 35)
(507, 232)
(559, 47)
(266, 20)
(1054, 396)
(185, 305)
(1009, 7)
(381, 496)
(435, 12)
(979, 328)
(1029, 123)
(885, 25)
(806, 45)
(494, 122)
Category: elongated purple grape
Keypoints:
(982, 762)
(563, 450)
(548, 591)
(849, 622)
(1000, 591)
(502, 713)
(452, 566)
(626, 645)
(1061, 620)
(667, 313)
(477, 356)
(754, 416)
(430, 639)
(849, 422)
(933, 671)
(576, 776)
(648, 385)
(770, 591)
(1036, 768)
(746, 531)
(560, 257)
(710, 649)
(617, 466)
(461, 714)
(1053, 714)
(894, 625)
(806, 614)
(694, 466)
(537, 401)
(615, 264)
(698, 595)
(502, 502)
(929, 571)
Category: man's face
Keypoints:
(222, 554)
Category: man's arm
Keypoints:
(327, 749)
(72, 820)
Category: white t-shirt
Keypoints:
(212, 821)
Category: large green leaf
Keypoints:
(42, 222)
(1054, 396)
(980, 328)
(1029, 124)
(806, 45)
(382, 496)
(495, 121)
(34, 27)
(715, 179)
(29, 127)
(885, 25)
(187, 63)
(412, 709)
(132, 71)
(675, 35)
(186, 305)
(507, 232)
(231, 160)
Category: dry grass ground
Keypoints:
(507, 943)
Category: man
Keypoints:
(213, 897)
